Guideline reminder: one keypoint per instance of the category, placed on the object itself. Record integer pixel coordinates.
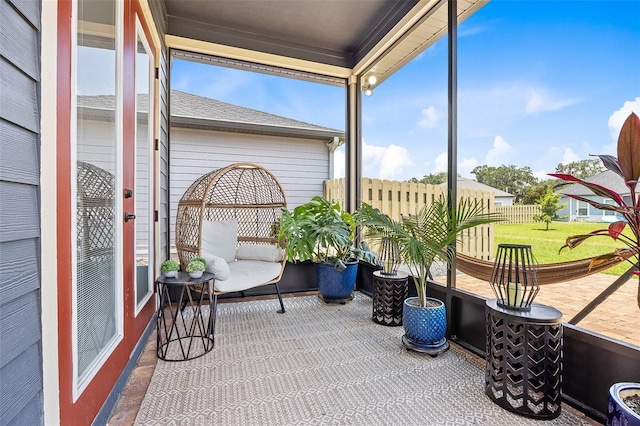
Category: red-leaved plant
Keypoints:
(627, 166)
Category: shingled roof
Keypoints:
(189, 110)
(193, 111)
(606, 178)
(475, 185)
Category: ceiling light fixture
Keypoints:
(369, 82)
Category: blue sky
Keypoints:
(539, 83)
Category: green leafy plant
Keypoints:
(627, 166)
(201, 259)
(549, 206)
(196, 265)
(364, 252)
(426, 236)
(321, 231)
(170, 265)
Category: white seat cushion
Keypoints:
(220, 238)
(246, 274)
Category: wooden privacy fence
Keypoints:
(519, 214)
(404, 198)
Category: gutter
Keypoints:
(234, 126)
(333, 145)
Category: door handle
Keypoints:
(128, 216)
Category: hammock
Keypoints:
(548, 273)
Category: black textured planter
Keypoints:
(524, 359)
(389, 293)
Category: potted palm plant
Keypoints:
(422, 239)
(627, 166)
(322, 232)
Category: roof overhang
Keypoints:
(252, 128)
(341, 38)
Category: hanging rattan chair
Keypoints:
(243, 192)
(96, 214)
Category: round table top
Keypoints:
(539, 313)
(397, 276)
(183, 278)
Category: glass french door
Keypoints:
(96, 182)
(144, 168)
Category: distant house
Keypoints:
(502, 198)
(581, 211)
(207, 134)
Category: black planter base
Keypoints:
(338, 301)
(433, 349)
(389, 293)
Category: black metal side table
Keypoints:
(184, 329)
(524, 359)
(389, 293)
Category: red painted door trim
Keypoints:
(84, 410)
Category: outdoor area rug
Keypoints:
(321, 364)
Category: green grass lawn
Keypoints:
(545, 244)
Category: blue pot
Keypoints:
(334, 284)
(618, 413)
(424, 326)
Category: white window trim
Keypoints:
(140, 35)
(578, 207)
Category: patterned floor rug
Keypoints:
(321, 364)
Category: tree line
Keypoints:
(520, 181)
(527, 189)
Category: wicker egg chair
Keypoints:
(245, 192)
(96, 215)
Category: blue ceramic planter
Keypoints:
(618, 414)
(424, 326)
(334, 284)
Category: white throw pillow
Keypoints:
(264, 252)
(220, 238)
(217, 265)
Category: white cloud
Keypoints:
(467, 30)
(483, 109)
(430, 117)
(500, 152)
(394, 160)
(611, 148)
(542, 100)
(385, 162)
(569, 156)
(541, 174)
(466, 165)
(441, 163)
(617, 119)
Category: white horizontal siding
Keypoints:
(300, 165)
